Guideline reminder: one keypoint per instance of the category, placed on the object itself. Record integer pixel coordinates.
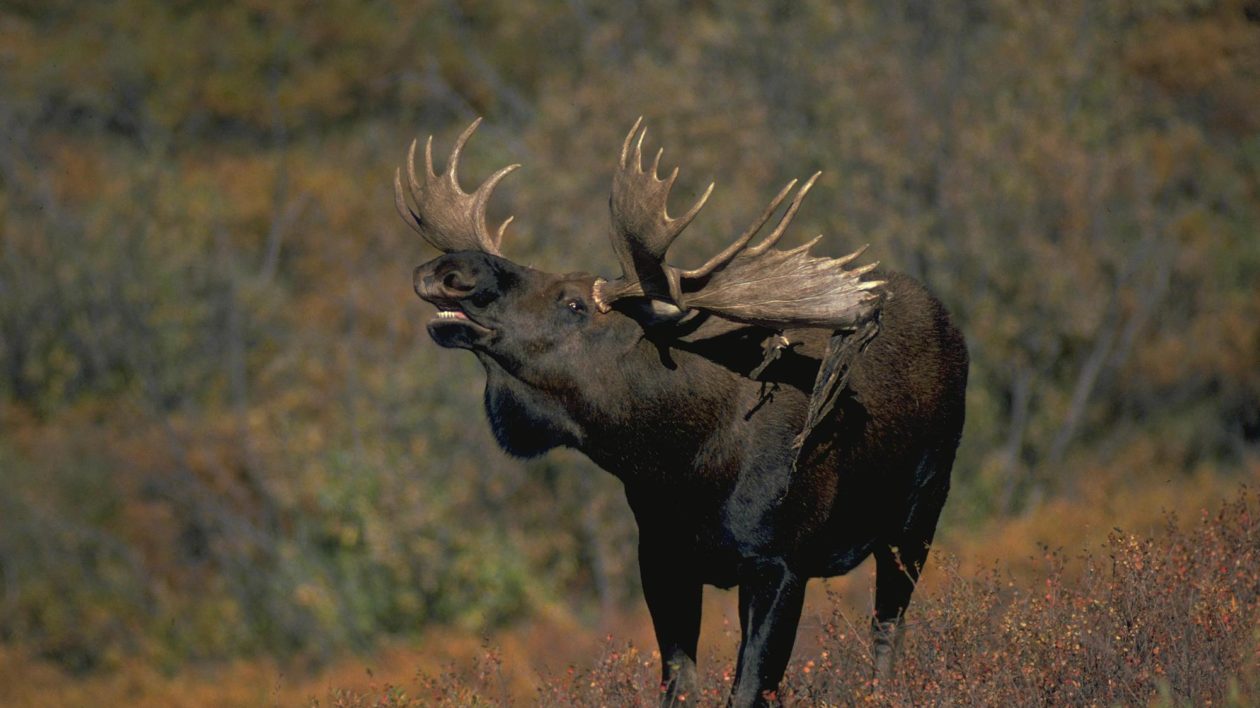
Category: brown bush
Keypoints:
(1168, 619)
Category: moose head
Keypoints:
(538, 326)
(764, 433)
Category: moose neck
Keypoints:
(644, 415)
(669, 411)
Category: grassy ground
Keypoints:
(1131, 605)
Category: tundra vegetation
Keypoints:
(225, 436)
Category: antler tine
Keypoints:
(857, 253)
(786, 220)
(400, 203)
(755, 285)
(446, 216)
(452, 162)
(863, 270)
(638, 151)
(428, 156)
(498, 236)
(804, 247)
(685, 219)
(480, 199)
(625, 146)
(732, 250)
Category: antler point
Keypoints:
(625, 145)
(638, 150)
(859, 272)
(452, 163)
(498, 238)
(669, 181)
(428, 158)
(411, 169)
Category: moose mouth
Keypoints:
(451, 327)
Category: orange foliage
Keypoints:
(224, 433)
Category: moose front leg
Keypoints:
(674, 595)
(770, 600)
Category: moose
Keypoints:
(774, 415)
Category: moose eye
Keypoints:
(575, 305)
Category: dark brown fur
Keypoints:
(704, 451)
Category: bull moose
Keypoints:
(774, 416)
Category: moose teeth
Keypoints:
(450, 315)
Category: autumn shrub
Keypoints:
(1169, 618)
(224, 432)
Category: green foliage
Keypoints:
(223, 430)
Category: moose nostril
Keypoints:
(453, 281)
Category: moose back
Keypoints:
(774, 415)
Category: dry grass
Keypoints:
(1170, 618)
(1167, 615)
(1165, 618)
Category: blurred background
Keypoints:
(225, 435)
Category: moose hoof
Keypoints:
(886, 641)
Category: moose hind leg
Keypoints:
(900, 560)
(771, 597)
(895, 578)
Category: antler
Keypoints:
(445, 215)
(756, 285)
(642, 229)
